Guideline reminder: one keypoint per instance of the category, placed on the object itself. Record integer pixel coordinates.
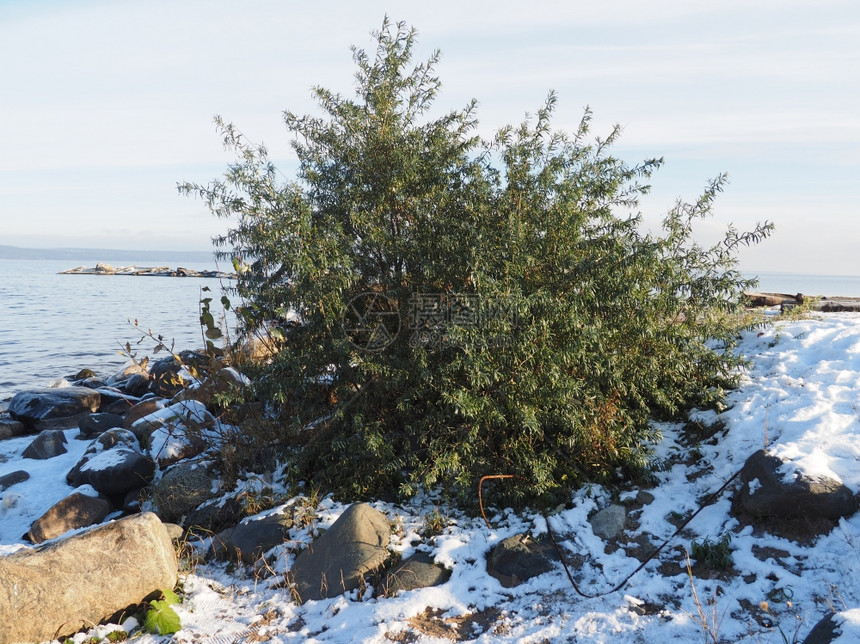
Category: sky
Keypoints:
(107, 104)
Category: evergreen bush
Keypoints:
(446, 307)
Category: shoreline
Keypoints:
(146, 271)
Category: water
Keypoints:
(55, 325)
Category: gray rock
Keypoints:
(48, 444)
(254, 537)
(165, 375)
(519, 558)
(824, 632)
(216, 516)
(44, 404)
(644, 497)
(356, 544)
(139, 410)
(92, 425)
(112, 398)
(181, 490)
(13, 478)
(75, 511)
(765, 492)
(418, 571)
(137, 384)
(609, 522)
(108, 440)
(9, 428)
(58, 590)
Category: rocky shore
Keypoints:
(156, 271)
(824, 304)
(137, 499)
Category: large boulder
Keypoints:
(56, 590)
(766, 491)
(77, 510)
(356, 544)
(39, 405)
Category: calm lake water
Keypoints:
(55, 325)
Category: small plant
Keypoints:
(161, 619)
(434, 523)
(707, 618)
(716, 555)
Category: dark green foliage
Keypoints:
(715, 555)
(587, 326)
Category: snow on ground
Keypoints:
(799, 399)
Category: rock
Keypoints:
(168, 376)
(181, 490)
(356, 544)
(133, 501)
(824, 632)
(519, 558)
(35, 405)
(118, 471)
(75, 511)
(216, 516)
(56, 590)
(609, 522)
(418, 571)
(9, 428)
(113, 399)
(13, 478)
(221, 382)
(141, 409)
(175, 432)
(48, 444)
(104, 442)
(94, 424)
(93, 382)
(252, 538)
(174, 531)
(137, 384)
(644, 497)
(127, 372)
(765, 492)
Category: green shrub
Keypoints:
(447, 307)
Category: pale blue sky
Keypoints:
(107, 104)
